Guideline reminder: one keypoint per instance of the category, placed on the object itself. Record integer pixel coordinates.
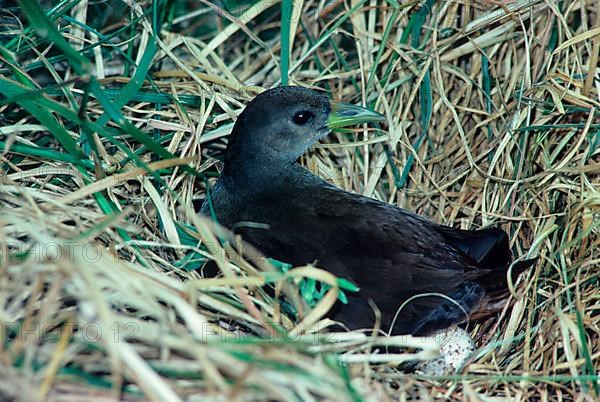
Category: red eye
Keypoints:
(303, 117)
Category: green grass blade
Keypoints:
(286, 22)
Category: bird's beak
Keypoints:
(345, 114)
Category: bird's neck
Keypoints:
(249, 175)
(251, 167)
(256, 170)
(247, 164)
(243, 159)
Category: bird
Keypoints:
(414, 276)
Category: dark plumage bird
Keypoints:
(391, 254)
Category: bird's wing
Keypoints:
(395, 256)
(391, 254)
(385, 250)
(384, 241)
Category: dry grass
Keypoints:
(493, 119)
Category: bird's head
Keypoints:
(280, 124)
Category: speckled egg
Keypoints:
(456, 347)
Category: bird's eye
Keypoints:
(303, 117)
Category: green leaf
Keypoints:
(45, 29)
(347, 285)
(286, 22)
(32, 101)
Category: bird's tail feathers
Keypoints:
(489, 248)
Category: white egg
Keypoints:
(456, 347)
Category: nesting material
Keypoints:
(492, 111)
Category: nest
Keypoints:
(113, 121)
